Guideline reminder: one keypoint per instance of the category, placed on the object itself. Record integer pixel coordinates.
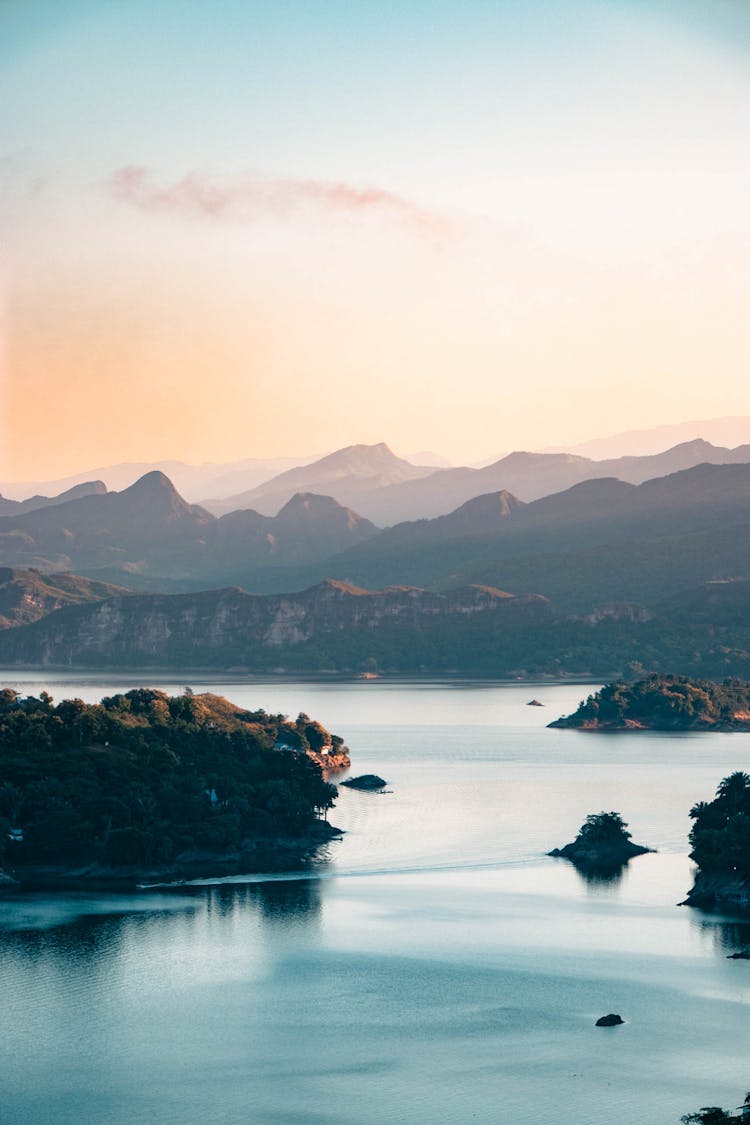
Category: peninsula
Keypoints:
(661, 702)
(720, 842)
(143, 786)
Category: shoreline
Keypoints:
(234, 675)
(261, 856)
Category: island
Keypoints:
(145, 787)
(370, 782)
(602, 844)
(720, 843)
(715, 1115)
(661, 702)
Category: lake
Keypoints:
(435, 966)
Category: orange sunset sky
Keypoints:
(249, 229)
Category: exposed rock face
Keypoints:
(230, 628)
(27, 595)
(719, 889)
(612, 1020)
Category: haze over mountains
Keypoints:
(149, 531)
(387, 490)
(216, 482)
(611, 553)
(192, 481)
(731, 432)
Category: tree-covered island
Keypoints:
(720, 843)
(661, 702)
(143, 785)
(603, 843)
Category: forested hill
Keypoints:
(665, 703)
(157, 784)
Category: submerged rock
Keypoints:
(369, 781)
(612, 1020)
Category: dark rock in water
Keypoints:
(744, 955)
(534, 703)
(612, 1020)
(369, 781)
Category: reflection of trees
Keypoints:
(285, 900)
(727, 936)
(600, 875)
(275, 900)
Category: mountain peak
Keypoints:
(151, 483)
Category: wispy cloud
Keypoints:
(256, 197)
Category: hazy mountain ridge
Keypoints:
(34, 503)
(387, 490)
(149, 530)
(348, 475)
(191, 481)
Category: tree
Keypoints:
(603, 826)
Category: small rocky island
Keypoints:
(144, 787)
(720, 843)
(662, 702)
(370, 782)
(603, 843)
(611, 1020)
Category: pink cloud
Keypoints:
(254, 197)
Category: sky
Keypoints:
(236, 228)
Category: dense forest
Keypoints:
(147, 780)
(665, 703)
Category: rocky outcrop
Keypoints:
(713, 890)
(611, 1020)
(331, 761)
(602, 854)
(370, 782)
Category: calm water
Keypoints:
(436, 968)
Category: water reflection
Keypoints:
(599, 876)
(289, 899)
(727, 935)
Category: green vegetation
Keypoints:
(602, 844)
(604, 828)
(142, 779)
(665, 703)
(720, 836)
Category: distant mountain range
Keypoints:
(192, 481)
(731, 431)
(600, 540)
(592, 578)
(149, 532)
(388, 490)
(351, 475)
(34, 503)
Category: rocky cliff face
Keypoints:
(228, 628)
